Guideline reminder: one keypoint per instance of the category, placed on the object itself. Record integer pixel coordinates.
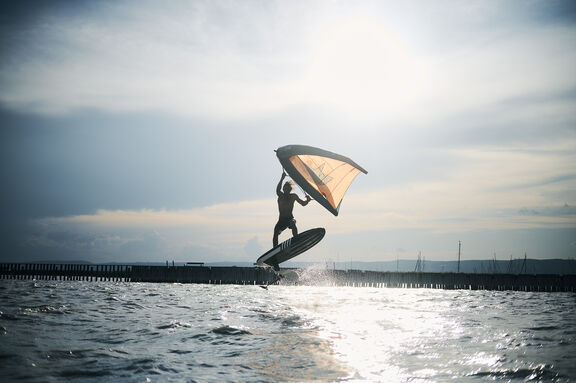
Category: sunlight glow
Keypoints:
(361, 65)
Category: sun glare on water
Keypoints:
(361, 323)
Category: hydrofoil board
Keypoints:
(292, 247)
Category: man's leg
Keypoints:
(294, 228)
(277, 231)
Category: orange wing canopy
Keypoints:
(324, 175)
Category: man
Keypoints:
(286, 201)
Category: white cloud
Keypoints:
(234, 61)
(535, 63)
(201, 60)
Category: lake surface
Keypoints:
(53, 331)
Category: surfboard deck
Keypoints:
(291, 247)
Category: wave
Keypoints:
(42, 309)
(543, 372)
(543, 328)
(174, 325)
(228, 330)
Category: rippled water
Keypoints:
(140, 332)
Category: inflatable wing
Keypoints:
(324, 175)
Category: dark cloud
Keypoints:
(55, 166)
(67, 243)
(552, 12)
(73, 165)
(19, 20)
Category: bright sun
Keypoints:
(359, 64)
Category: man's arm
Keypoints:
(303, 203)
(279, 187)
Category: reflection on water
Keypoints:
(401, 335)
(298, 356)
(105, 331)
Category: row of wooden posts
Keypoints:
(447, 281)
(139, 273)
(75, 272)
(266, 276)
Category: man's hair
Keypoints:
(288, 184)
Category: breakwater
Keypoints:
(447, 281)
(265, 276)
(138, 273)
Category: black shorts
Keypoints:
(283, 223)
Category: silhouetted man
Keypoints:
(286, 201)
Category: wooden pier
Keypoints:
(266, 276)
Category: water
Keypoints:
(53, 331)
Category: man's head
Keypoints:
(287, 187)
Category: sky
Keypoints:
(144, 131)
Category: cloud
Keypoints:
(253, 248)
(566, 211)
(117, 110)
(478, 195)
(222, 232)
(198, 59)
(100, 245)
(228, 214)
(230, 61)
